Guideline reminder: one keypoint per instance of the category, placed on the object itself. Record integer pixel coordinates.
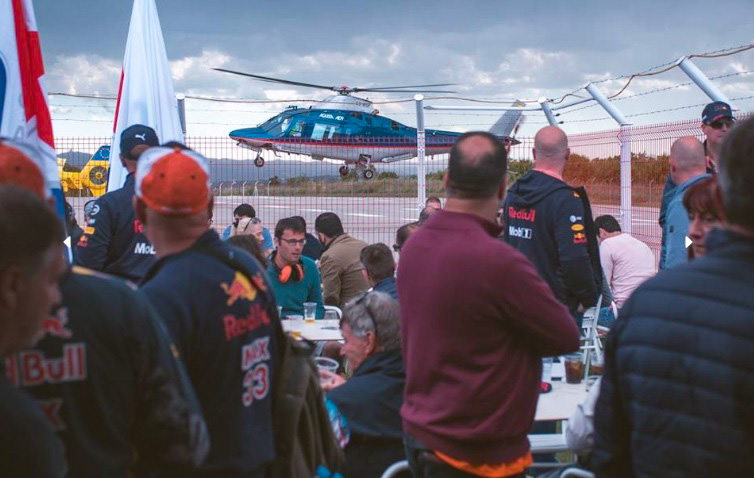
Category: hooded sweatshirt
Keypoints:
(551, 224)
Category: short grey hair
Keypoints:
(386, 314)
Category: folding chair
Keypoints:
(590, 338)
(395, 469)
(333, 310)
(576, 473)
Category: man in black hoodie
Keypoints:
(551, 224)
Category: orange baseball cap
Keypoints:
(173, 181)
(17, 167)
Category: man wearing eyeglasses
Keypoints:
(717, 120)
(294, 277)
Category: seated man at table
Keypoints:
(379, 269)
(371, 399)
(294, 277)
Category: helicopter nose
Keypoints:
(249, 133)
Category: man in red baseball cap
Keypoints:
(218, 305)
(103, 370)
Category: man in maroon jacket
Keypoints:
(475, 323)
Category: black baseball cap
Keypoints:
(715, 111)
(135, 135)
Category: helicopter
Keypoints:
(349, 129)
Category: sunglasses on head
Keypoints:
(718, 124)
(362, 301)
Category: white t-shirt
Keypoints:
(627, 262)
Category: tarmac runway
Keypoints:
(373, 219)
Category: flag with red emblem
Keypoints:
(24, 113)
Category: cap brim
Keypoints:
(718, 117)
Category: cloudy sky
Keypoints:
(492, 50)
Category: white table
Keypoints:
(561, 402)
(320, 330)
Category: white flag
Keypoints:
(146, 94)
(24, 114)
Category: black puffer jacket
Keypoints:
(677, 398)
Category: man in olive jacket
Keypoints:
(340, 264)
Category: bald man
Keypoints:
(687, 166)
(551, 223)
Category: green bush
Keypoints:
(298, 180)
(388, 175)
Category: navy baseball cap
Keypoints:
(135, 135)
(715, 111)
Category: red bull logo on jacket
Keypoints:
(240, 288)
(30, 368)
(235, 326)
(523, 214)
(55, 325)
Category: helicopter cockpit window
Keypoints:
(323, 132)
(277, 124)
(297, 129)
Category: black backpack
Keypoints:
(305, 444)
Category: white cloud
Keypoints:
(88, 74)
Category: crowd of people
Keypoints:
(157, 352)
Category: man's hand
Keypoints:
(329, 380)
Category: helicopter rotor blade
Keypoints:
(343, 90)
(409, 86)
(376, 90)
(278, 80)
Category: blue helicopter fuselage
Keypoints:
(345, 135)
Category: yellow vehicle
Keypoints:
(91, 180)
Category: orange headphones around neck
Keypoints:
(293, 272)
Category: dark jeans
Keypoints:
(425, 464)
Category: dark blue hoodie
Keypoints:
(551, 224)
(220, 323)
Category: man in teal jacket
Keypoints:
(294, 277)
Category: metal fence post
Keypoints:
(548, 111)
(420, 149)
(701, 80)
(625, 179)
(181, 98)
(625, 156)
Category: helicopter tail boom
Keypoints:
(507, 123)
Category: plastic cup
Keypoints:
(597, 365)
(326, 363)
(574, 368)
(296, 323)
(280, 311)
(547, 369)
(310, 312)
